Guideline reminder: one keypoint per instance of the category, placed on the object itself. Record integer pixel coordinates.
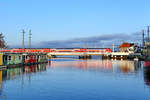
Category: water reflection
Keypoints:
(125, 68)
(147, 73)
(14, 73)
(1, 82)
(117, 66)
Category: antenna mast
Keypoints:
(23, 32)
(143, 38)
(30, 39)
(148, 32)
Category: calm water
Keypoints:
(73, 79)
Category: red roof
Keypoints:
(125, 44)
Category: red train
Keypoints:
(57, 50)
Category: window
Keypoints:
(26, 57)
(9, 58)
(19, 57)
(5, 58)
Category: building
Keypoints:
(124, 47)
(146, 49)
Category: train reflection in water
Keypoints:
(124, 66)
(112, 66)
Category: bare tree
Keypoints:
(2, 41)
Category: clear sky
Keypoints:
(52, 20)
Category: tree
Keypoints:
(2, 41)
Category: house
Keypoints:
(124, 47)
(146, 49)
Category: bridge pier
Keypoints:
(105, 56)
(85, 57)
(119, 57)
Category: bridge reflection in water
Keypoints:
(124, 68)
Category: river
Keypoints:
(74, 79)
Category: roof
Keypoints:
(125, 44)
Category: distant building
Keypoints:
(146, 49)
(124, 47)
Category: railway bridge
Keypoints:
(40, 55)
(53, 52)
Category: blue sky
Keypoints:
(52, 20)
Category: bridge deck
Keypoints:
(77, 53)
